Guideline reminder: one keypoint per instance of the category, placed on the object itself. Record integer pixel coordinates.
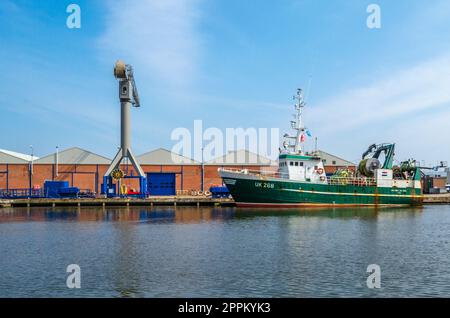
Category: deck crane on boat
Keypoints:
(371, 158)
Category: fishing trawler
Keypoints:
(301, 179)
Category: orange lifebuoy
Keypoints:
(319, 170)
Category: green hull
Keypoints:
(275, 192)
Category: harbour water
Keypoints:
(224, 252)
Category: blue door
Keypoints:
(161, 183)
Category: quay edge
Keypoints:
(161, 201)
(436, 198)
(153, 201)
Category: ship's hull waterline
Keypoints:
(253, 191)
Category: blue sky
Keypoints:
(232, 64)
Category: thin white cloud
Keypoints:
(158, 36)
(424, 137)
(420, 88)
(410, 107)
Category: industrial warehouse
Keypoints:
(77, 173)
(21, 174)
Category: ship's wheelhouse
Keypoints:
(301, 168)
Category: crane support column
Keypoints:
(128, 97)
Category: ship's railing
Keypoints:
(331, 180)
(259, 173)
(21, 193)
(356, 181)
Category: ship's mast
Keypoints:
(297, 124)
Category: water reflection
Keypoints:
(356, 212)
(189, 214)
(224, 252)
(127, 275)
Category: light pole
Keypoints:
(31, 170)
(32, 157)
(203, 173)
(56, 165)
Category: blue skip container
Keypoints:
(51, 188)
(219, 192)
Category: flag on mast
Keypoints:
(302, 137)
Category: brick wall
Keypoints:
(17, 176)
(439, 182)
(90, 177)
(3, 176)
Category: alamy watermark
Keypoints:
(224, 145)
(74, 279)
(374, 19)
(73, 21)
(374, 279)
